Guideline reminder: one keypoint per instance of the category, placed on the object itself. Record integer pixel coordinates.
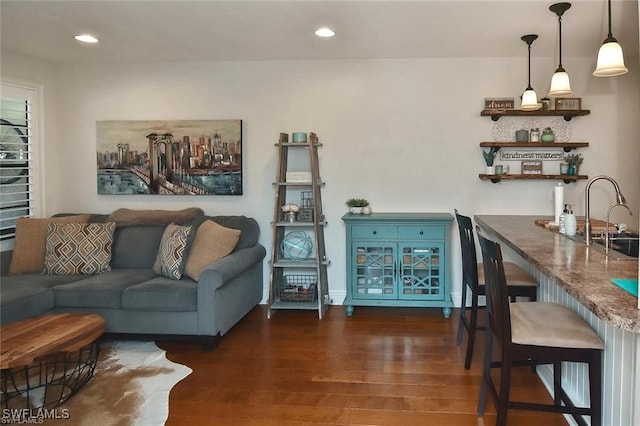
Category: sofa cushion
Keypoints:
(158, 217)
(31, 236)
(136, 246)
(28, 295)
(99, 291)
(212, 242)
(24, 301)
(161, 294)
(76, 248)
(173, 250)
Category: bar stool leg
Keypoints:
(595, 389)
(486, 373)
(557, 382)
(505, 388)
(473, 326)
(463, 315)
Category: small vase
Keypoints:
(490, 170)
(547, 137)
(366, 210)
(564, 169)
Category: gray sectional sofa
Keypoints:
(132, 298)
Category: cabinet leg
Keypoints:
(349, 310)
(446, 312)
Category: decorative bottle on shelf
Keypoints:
(534, 136)
(570, 225)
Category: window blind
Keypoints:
(16, 165)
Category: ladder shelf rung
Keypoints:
(319, 183)
(300, 224)
(307, 263)
(300, 144)
(278, 304)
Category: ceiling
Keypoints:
(242, 30)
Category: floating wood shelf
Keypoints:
(567, 146)
(565, 178)
(567, 114)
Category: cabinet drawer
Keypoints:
(374, 232)
(421, 232)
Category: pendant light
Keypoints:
(610, 57)
(560, 85)
(529, 100)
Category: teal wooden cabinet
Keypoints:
(398, 259)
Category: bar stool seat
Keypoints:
(550, 324)
(516, 277)
(520, 284)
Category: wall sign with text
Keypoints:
(520, 155)
(531, 167)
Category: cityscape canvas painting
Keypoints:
(188, 157)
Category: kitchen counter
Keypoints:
(582, 272)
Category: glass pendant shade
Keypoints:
(560, 84)
(529, 100)
(610, 60)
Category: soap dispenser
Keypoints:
(570, 225)
(561, 222)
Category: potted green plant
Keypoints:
(358, 206)
(489, 156)
(574, 161)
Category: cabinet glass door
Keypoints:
(375, 273)
(420, 274)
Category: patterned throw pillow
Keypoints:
(173, 251)
(77, 248)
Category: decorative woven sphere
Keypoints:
(296, 245)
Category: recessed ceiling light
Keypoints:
(325, 32)
(86, 38)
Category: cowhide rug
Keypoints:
(130, 386)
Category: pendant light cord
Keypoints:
(529, 86)
(610, 35)
(560, 33)
(529, 39)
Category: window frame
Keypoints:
(35, 192)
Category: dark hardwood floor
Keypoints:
(383, 366)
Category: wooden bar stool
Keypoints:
(535, 333)
(519, 282)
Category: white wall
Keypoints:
(402, 133)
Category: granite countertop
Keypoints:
(582, 272)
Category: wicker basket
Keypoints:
(298, 288)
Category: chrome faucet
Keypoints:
(607, 237)
(587, 204)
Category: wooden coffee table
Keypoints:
(47, 358)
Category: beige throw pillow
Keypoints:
(212, 242)
(31, 236)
